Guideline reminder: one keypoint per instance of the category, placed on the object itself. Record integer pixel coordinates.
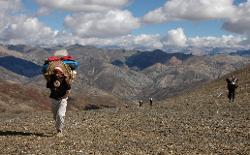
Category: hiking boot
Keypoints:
(59, 133)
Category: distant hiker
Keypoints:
(150, 101)
(140, 103)
(126, 105)
(231, 86)
(60, 89)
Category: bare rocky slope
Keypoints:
(124, 74)
(16, 98)
(19, 98)
(199, 121)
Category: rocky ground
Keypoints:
(161, 129)
(199, 121)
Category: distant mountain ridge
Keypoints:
(142, 60)
(20, 66)
(125, 74)
(245, 53)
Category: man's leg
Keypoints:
(61, 114)
(54, 107)
(229, 95)
(233, 95)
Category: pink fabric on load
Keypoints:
(58, 69)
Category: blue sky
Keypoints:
(127, 23)
(204, 28)
(140, 8)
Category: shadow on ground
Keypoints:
(21, 133)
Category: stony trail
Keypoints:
(162, 129)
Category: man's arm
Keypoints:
(66, 94)
(67, 82)
(236, 83)
(50, 82)
(48, 85)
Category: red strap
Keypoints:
(67, 58)
(53, 58)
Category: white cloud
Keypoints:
(26, 30)
(110, 24)
(3, 20)
(175, 37)
(7, 7)
(240, 23)
(148, 41)
(10, 5)
(191, 10)
(228, 41)
(236, 18)
(140, 42)
(42, 11)
(83, 5)
(155, 16)
(16, 28)
(144, 41)
(113, 27)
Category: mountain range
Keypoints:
(119, 75)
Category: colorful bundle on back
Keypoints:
(66, 63)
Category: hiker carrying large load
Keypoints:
(59, 73)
